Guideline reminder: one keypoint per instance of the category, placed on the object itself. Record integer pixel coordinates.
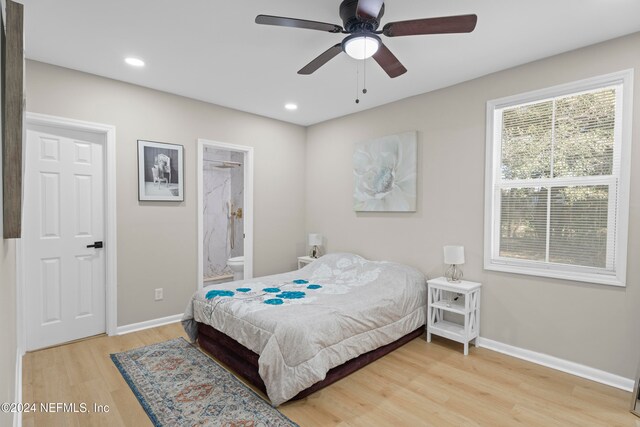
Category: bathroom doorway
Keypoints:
(225, 212)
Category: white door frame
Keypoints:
(108, 134)
(248, 204)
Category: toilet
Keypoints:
(236, 264)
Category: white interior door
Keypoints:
(64, 213)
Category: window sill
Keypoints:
(576, 276)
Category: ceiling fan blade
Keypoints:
(389, 62)
(322, 59)
(445, 24)
(369, 9)
(297, 23)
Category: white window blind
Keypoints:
(557, 191)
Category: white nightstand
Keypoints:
(304, 260)
(441, 294)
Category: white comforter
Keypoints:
(341, 307)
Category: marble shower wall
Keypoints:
(221, 187)
(237, 198)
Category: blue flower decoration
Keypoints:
(243, 289)
(291, 295)
(219, 293)
(314, 287)
(300, 282)
(274, 301)
(271, 289)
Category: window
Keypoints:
(557, 181)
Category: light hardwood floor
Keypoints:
(419, 384)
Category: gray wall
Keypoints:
(590, 324)
(146, 260)
(8, 330)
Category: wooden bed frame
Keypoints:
(245, 362)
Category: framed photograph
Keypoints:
(160, 172)
(384, 172)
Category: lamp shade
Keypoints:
(315, 239)
(454, 255)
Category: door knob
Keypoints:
(96, 245)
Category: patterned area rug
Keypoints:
(178, 385)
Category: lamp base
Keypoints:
(315, 252)
(453, 274)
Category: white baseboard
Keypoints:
(134, 327)
(553, 362)
(17, 416)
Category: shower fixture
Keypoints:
(224, 164)
(233, 215)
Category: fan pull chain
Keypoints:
(357, 82)
(364, 79)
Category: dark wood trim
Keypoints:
(12, 114)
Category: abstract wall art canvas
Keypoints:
(384, 172)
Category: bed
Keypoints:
(307, 328)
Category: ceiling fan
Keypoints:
(361, 19)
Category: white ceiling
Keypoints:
(213, 51)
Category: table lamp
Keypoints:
(315, 240)
(454, 256)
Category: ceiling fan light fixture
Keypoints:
(361, 46)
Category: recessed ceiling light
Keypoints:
(291, 106)
(135, 62)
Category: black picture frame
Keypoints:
(160, 171)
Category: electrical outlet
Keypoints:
(159, 295)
